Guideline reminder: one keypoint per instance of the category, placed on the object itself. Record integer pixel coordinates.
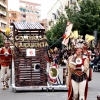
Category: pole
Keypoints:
(54, 43)
(95, 40)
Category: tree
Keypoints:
(56, 31)
(87, 19)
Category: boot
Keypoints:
(7, 86)
(3, 86)
(6, 82)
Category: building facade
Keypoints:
(58, 9)
(3, 14)
(13, 16)
(29, 12)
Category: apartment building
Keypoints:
(3, 14)
(58, 9)
(14, 16)
(29, 12)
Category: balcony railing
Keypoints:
(4, 4)
(3, 12)
(3, 20)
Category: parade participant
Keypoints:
(5, 61)
(88, 53)
(77, 81)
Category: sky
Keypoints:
(45, 5)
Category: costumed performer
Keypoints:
(5, 61)
(77, 81)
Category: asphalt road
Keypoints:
(94, 90)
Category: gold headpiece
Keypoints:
(89, 38)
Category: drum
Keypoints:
(53, 73)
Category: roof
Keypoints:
(27, 25)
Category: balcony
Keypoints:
(3, 13)
(3, 21)
(4, 4)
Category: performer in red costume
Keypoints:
(5, 61)
(77, 82)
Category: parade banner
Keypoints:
(67, 33)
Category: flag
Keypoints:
(64, 36)
(68, 29)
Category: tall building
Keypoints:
(58, 9)
(30, 12)
(3, 14)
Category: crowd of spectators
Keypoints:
(59, 55)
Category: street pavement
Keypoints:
(94, 90)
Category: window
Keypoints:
(38, 17)
(26, 5)
(27, 11)
(23, 20)
(13, 15)
(58, 12)
(24, 16)
(3, 25)
(37, 12)
(31, 11)
(22, 9)
(54, 16)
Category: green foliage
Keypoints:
(1, 41)
(88, 18)
(56, 31)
